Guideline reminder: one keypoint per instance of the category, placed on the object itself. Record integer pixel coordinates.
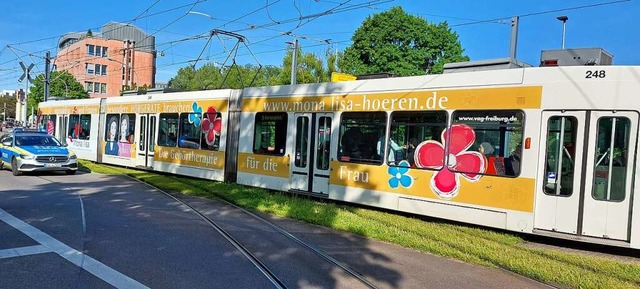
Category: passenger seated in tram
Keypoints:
(351, 144)
(494, 165)
(512, 163)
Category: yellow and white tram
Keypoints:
(547, 151)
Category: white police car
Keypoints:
(28, 151)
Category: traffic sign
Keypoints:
(25, 72)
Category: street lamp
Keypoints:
(564, 26)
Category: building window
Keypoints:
(98, 69)
(89, 86)
(96, 87)
(104, 69)
(90, 49)
(90, 68)
(103, 88)
(104, 52)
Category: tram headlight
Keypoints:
(73, 157)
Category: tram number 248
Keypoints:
(596, 74)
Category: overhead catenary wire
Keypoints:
(339, 7)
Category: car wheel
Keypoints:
(71, 172)
(1, 165)
(14, 167)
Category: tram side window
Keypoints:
(49, 123)
(79, 126)
(189, 131)
(362, 137)
(85, 127)
(498, 136)
(302, 143)
(270, 135)
(560, 156)
(211, 130)
(324, 143)
(74, 126)
(611, 159)
(127, 128)
(111, 134)
(168, 130)
(410, 129)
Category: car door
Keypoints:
(5, 151)
(2, 148)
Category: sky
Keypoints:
(181, 28)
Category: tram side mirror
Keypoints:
(7, 143)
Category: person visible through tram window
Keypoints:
(512, 163)
(393, 148)
(411, 149)
(487, 150)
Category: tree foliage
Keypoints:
(402, 44)
(210, 76)
(62, 85)
(310, 68)
(10, 103)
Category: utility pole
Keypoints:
(4, 112)
(47, 76)
(514, 38)
(294, 62)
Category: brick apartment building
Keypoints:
(119, 57)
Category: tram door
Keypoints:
(585, 178)
(61, 130)
(558, 190)
(609, 174)
(146, 139)
(310, 161)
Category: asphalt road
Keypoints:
(96, 231)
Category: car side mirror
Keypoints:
(7, 143)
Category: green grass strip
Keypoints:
(468, 244)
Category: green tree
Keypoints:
(10, 103)
(402, 44)
(62, 85)
(210, 76)
(332, 62)
(310, 68)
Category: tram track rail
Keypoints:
(264, 269)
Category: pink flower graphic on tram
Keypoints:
(445, 183)
(211, 125)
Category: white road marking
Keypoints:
(23, 251)
(89, 264)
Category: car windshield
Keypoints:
(37, 140)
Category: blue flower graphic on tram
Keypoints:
(194, 117)
(399, 175)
